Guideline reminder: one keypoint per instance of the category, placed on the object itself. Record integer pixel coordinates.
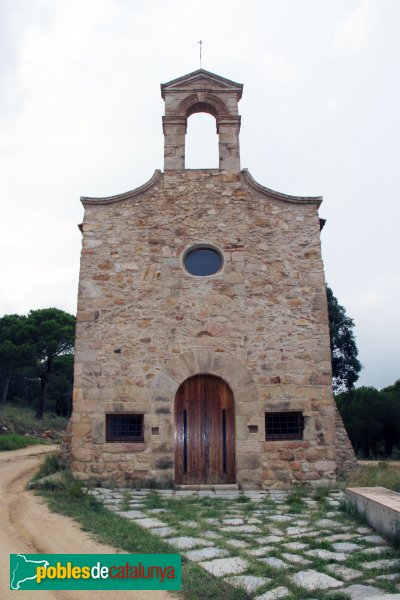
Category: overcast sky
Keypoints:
(80, 114)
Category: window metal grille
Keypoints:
(284, 426)
(124, 428)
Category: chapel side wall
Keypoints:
(138, 310)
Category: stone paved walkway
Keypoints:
(272, 544)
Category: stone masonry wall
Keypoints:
(345, 457)
(144, 325)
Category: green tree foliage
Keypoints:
(372, 420)
(52, 332)
(59, 390)
(345, 364)
(36, 360)
(16, 349)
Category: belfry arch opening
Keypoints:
(201, 143)
(201, 92)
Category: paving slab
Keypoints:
(225, 566)
(346, 547)
(342, 537)
(114, 507)
(237, 543)
(242, 529)
(358, 591)
(364, 530)
(312, 580)
(381, 564)
(375, 550)
(334, 503)
(388, 577)
(163, 531)
(253, 521)
(343, 572)
(329, 523)
(374, 539)
(296, 559)
(150, 523)
(205, 554)
(298, 531)
(250, 583)
(269, 539)
(313, 534)
(260, 551)
(212, 535)
(386, 597)
(276, 594)
(186, 542)
(132, 514)
(255, 495)
(275, 563)
(301, 523)
(296, 545)
(328, 555)
(189, 524)
(280, 518)
(233, 521)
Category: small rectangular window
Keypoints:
(284, 426)
(124, 428)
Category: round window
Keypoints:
(202, 261)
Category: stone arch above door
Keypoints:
(204, 361)
(247, 404)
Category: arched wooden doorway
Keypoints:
(205, 431)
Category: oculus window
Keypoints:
(284, 426)
(124, 428)
(203, 261)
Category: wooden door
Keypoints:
(205, 435)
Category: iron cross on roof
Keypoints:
(200, 42)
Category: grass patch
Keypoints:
(154, 500)
(70, 499)
(20, 419)
(125, 502)
(51, 464)
(383, 475)
(242, 499)
(14, 441)
(295, 501)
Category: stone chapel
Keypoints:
(202, 347)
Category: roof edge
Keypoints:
(249, 179)
(88, 201)
(205, 73)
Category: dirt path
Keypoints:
(27, 526)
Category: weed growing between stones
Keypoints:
(125, 502)
(295, 501)
(276, 545)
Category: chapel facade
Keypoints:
(202, 346)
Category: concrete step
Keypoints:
(213, 488)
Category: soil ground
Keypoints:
(27, 526)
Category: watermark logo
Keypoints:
(95, 572)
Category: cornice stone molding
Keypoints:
(88, 201)
(251, 182)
